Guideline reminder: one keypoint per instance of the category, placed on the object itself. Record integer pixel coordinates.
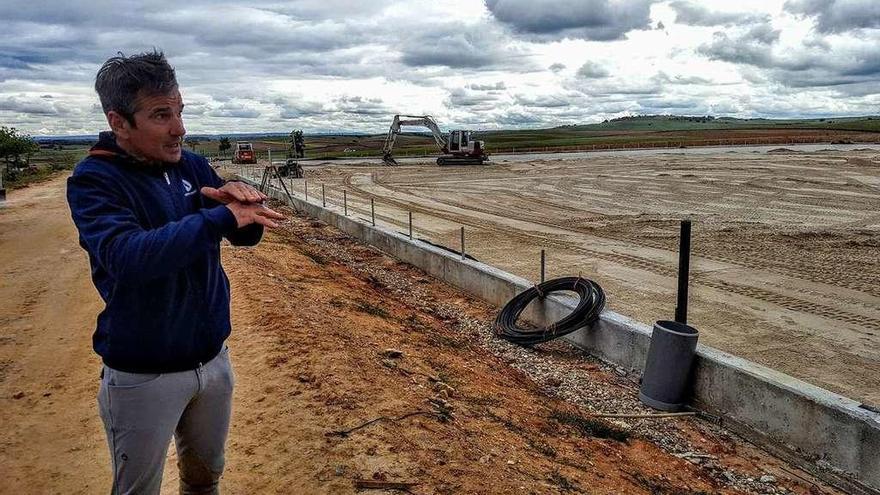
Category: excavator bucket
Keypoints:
(389, 160)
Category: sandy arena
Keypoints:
(785, 242)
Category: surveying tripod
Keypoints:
(270, 173)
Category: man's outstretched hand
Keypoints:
(245, 202)
(234, 191)
(248, 213)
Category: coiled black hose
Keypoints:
(592, 301)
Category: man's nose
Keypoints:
(177, 128)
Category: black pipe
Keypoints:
(684, 263)
(543, 262)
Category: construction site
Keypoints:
(785, 250)
(366, 355)
(612, 247)
(785, 242)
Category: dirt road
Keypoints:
(313, 314)
(785, 243)
(52, 435)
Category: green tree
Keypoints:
(296, 147)
(192, 142)
(14, 145)
(224, 144)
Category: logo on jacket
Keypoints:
(188, 187)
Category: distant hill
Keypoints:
(696, 123)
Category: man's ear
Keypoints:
(118, 124)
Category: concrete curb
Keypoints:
(824, 433)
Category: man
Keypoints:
(151, 217)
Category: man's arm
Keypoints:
(249, 235)
(127, 251)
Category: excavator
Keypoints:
(457, 148)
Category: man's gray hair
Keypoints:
(122, 79)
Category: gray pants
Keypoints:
(141, 412)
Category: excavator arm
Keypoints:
(411, 120)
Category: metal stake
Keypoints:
(306, 183)
(373, 211)
(462, 242)
(410, 225)
(543, 264)
(323, 196)
(345, 202)
(684, 261)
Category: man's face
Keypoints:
(158, 129)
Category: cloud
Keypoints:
(592, 70)
(461, 97)
(194, 109)
(31, 106)
(753, 47)
(599, 20)
(544, 101)
(234, 110)
(695, 14)
(498, 86)
(670, 105)
(517, 117)
(326, 9)
(837, 16)
(664, 78)
(816, 43)
(809, 64)
(243, 28)
(358, 105)
(455, 51)
(556, 67)
(295, 108)
(614, 88)
(476, 46)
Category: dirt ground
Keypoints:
(785, 243)
(314, 314)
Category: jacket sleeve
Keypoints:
(109, 230)
(248, 235)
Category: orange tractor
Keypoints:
(244, 153)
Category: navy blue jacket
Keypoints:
(154, 247)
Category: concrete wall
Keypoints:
(822, 432)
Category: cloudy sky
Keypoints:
(330, 65)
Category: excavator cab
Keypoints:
(459, 141)
(455, 141)
(461, 145)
